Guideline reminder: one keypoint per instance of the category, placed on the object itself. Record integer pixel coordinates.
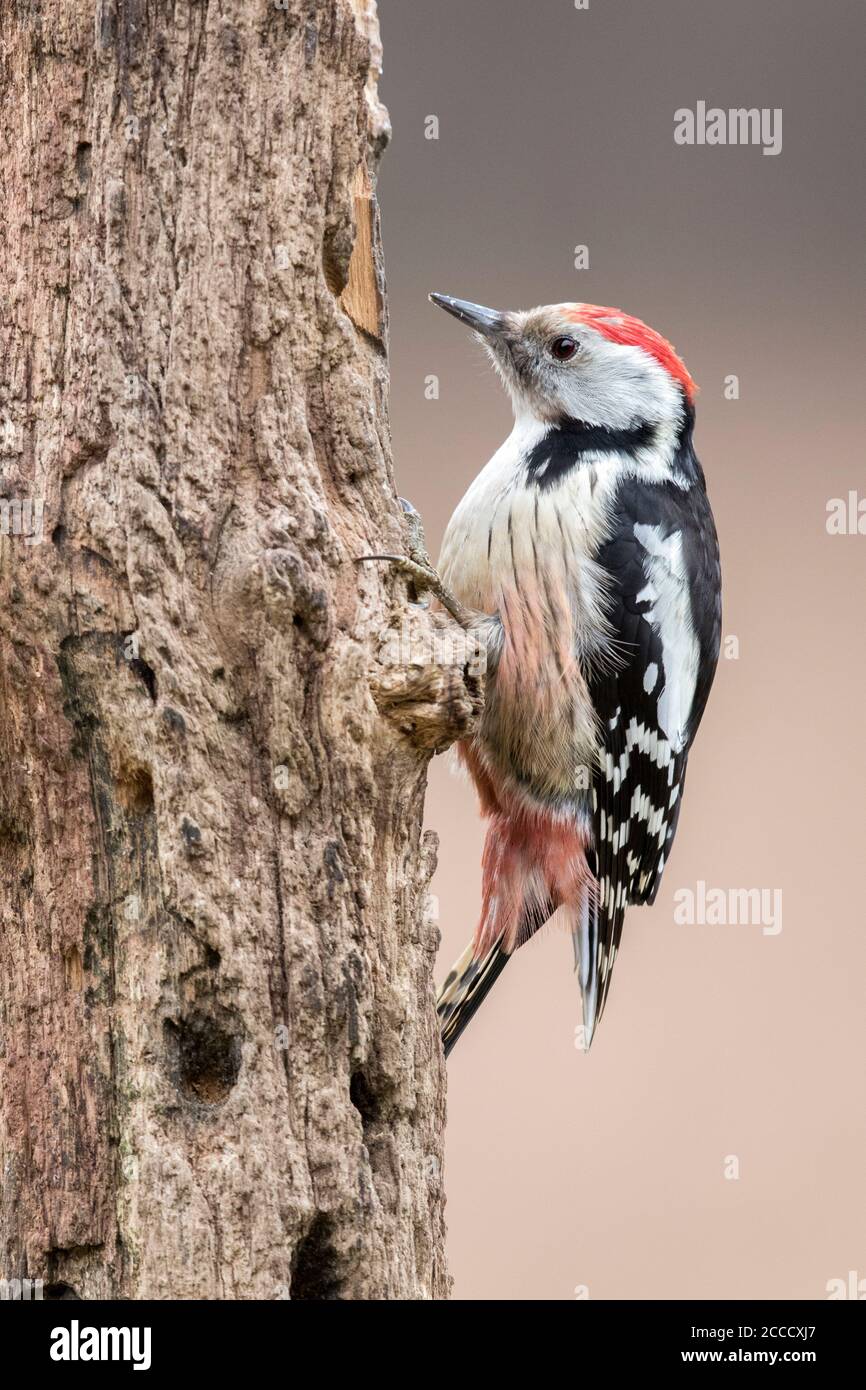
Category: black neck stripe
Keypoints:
(567, 444)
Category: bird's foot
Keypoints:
(416, 565)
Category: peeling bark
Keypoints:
(221, 1075)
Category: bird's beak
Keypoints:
(489, 322)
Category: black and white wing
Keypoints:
(661, 566)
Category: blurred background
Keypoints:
(723, 1050)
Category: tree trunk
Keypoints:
(221, 1075)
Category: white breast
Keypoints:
(506, 535)
(524, 554)
(466, 563)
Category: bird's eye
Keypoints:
(563, 349)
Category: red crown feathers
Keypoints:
(626, 329)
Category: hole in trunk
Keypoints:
(314, 1267)
(207, 1056)
(146, 675)
(364, 1099)
(135, 791)
(335, 266)
(82, 162)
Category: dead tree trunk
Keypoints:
(220, 1070)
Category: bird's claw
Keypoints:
(417, 567)
(417, 541)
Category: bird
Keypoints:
(585, 556)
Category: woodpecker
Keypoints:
(586, 555)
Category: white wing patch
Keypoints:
(671, 617)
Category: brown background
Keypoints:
(557, 129)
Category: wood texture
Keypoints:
(221, 1076)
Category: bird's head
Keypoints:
(581, 362)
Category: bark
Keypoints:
(221, 1075)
